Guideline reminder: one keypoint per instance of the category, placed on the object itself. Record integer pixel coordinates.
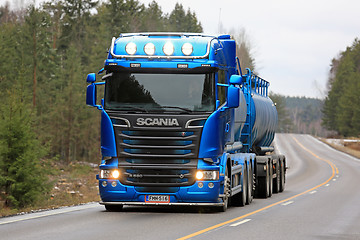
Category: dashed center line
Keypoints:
(312, 192)
(239, 223)
(334, 171)
(287, 203)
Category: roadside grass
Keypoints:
(352, 148)
(72, 185)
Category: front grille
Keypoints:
(157, 157)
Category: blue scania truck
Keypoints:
(182, 125)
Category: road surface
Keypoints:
(321, 201)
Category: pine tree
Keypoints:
(22, 179)
(341, 107)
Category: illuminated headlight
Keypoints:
(107, 173)
(130, 48)
(207, 175)
(149, 49)
(168, 49)
(187, 49)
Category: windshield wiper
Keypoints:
(174, 107)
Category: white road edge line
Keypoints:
(45, 215)
(239, 223)
(287, 203)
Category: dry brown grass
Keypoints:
(74, 184)
(352, 148)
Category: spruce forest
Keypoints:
(342, 104)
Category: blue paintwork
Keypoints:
(108, 146)
(253, 122)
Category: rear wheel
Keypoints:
(276, 181)
(282, 175)
(113, 208)
(250, 186)
(270, 182)
(262, 185)
(240, 198)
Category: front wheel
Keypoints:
(226, 191)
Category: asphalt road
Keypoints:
(321, 201)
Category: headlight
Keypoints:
(130, 48)
(149, 49)
(168, 49)
(110, 173)
(187, 49)
(207, 175)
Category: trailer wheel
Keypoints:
(270, 182)
(113, 208)
(240, 198)
(276, 181)
(250, 185)
(282, 175)
(262, 185)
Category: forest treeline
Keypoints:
(46, 53)
(342, 103)
(299, 115)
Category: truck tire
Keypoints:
(113, 208)
(282, 175)
(270, 182)
(226, 189)
(276, 181)
(262, 185)
(240, 198)
(250, 186)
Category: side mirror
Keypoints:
(91, 95)
(91, 78)
(233, 97)
(235, 79)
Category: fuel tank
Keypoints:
(261, 121)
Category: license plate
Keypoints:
(157, 198)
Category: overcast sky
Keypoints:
(292, 41)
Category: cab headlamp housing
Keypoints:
(202, 175)
(109, 173)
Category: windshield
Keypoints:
(159, 92)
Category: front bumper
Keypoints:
(219, 204)
(190, 195)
